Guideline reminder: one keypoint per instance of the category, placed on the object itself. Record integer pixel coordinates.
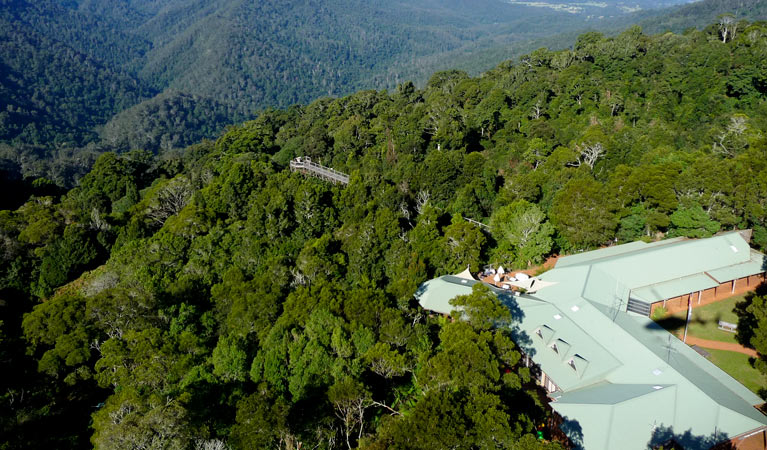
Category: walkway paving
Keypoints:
(717, 345)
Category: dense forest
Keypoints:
(210, 298)
(79, 78)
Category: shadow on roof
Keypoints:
(520, 337)
(665, 437)
(574, 432)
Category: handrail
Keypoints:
(305, 164)
(477, 223)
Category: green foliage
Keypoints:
(262, 420)
(212, 296)
(229, 360)
(65, 258)
(752, 327)
(482, 309)
(581, 214)
(464, 244)
(659, 313)
(58, 330)
(523, 234)
(693, 222)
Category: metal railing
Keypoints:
(306, 166)
(477, 223)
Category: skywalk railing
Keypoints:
(305, 165)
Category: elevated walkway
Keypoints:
(307, 167)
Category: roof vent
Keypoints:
(578, 363)
(656, 372)
(557, 317)
(563, 347)
(574, 308)
(656, 387)
(545, 333)
(554, 347)
(464, 281)
(734, 249)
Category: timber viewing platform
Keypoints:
(307, 167)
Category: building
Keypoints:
(617, 378)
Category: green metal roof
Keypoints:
(591, 360)
(674, 288)
(620, 376)
(435, 295)
(656, 271)
(588, 257)
(608, 393)
(647, 264)
(620, 425)
(616, 250)
(755, 265)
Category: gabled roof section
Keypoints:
(608, 393)
(670, 351)
(756, 264)
(435, 295)
(659, 270)
(674, 260)
(620, 375)
(543, 325)
(616, 250)
(618, 416)
(674, 288)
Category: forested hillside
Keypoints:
(213, 298)
(67, 68)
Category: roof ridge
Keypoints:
(652, 246)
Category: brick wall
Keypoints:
(748, 441)
(721, 292)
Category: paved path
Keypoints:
(717, 345)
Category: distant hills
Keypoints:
(77, 74)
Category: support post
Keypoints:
(687, 324)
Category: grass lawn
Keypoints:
(705, 320)
(737, 365)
